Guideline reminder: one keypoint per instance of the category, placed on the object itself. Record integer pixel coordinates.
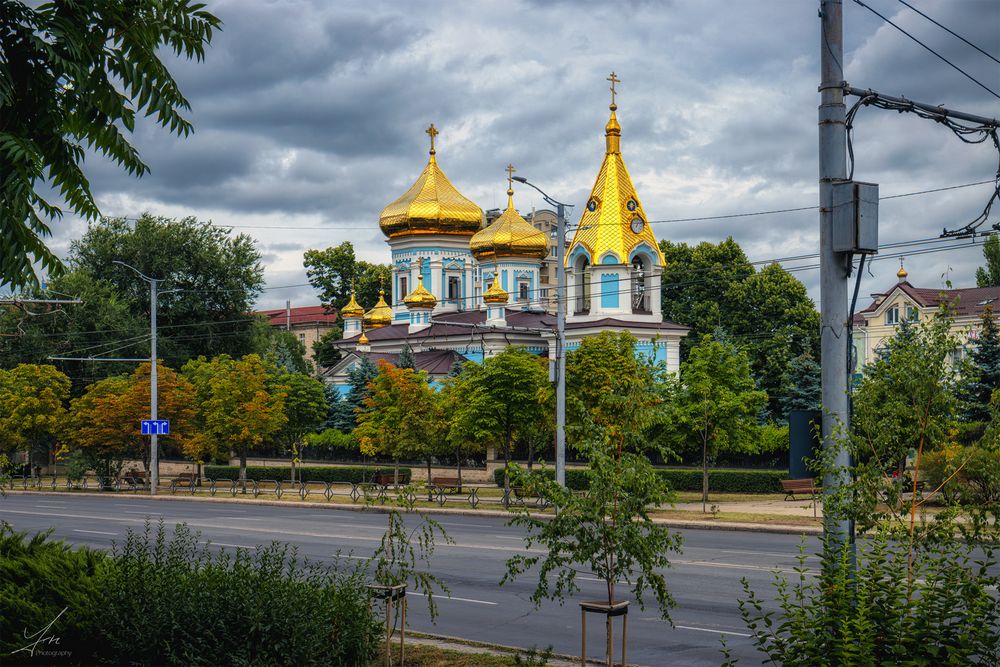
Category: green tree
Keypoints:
(406, 359)
(102, 322)
(775, 321)
(359, 377)
(452, 394)
(800, 385)
(504, 400)
(219, 276)
(325, 353)
(696, 285)
(614, 396)
(716, 403)
(989, 275)
(400, 419)
(331, 271)
(285, 350)
(305, 409)
(32, 409)
(74, 76)
(983, 376)
(239, 408)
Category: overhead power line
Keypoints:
(953, 65)
(951, 32)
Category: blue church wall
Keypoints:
(609, 290)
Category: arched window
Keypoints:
(640, 274)
(581, 274)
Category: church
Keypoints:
(470, 288)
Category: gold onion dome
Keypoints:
(613, 220)
(496, 294)
(510, 235)
(432, 205)
(353, 308)
(363, 340)
(380, 315)
(902, 273)
(420, 297)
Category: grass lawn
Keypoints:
(423, 655)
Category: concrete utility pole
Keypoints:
(834, 266)
(560, 328)
(154, 454)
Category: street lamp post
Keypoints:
(560, 328)
(154, 454)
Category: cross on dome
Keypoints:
(433, 132)
(510, 179)
(613, 79)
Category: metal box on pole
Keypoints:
(855, 217)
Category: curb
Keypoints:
(781, 529)
(478, 647)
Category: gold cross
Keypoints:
(613, 79)
(510, 176)
(432, 131)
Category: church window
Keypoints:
(892, 316)
(454, 289)
(522, 290)
(402, 286)
(912, 314)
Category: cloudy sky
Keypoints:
(310, 117)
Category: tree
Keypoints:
(339, 413)
(983, 377)
(220, 276)
(989, 275)
(305, 408)
(400, 419)
(75, 75)
(775, 321)
(238, 407)
(696, 285)
(32, 408)
(331, 272)
(406, 359)
(359, 377)
(285, 350)
(716, 403)
(325, 352)
(452, 394)
(800, 385)
(613, 395)
(106, 418)
(504, 400)
(103, 321)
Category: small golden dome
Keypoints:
(420, 297)
(353, 308)
(432, 205)
(496, 294)
(509, 236)
(363, 340)
(380, 315)
(902, 273)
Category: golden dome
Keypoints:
(432, 205)
(353, 308)
(380, 315)
(420, 297)
(495, 294)
(613, 221)
(509, 236)
(902, 273)
(363, 340)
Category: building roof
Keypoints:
(301, 315)
(967, 301)
(434, 362)
(510, 236)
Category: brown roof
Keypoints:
(967, 301)
(300, 315)
(611, 322)
(434, 362)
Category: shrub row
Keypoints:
(167, 600)
(720, 481)
(355, 474)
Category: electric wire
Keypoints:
(950, 31)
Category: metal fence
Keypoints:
(328, 491)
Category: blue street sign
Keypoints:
(156, 427)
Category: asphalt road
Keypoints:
(704, 579)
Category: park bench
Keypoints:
(134, 478)
(445, 483)
(186, 479)
(801, 486)
(522, 495)
(384, 479)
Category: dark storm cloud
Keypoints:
(311, 113)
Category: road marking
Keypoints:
(51, 507)
(464, 525)
(719, 632)
(446, 597)
(146, 512)
(227, 544)
(93, 532)
(508, 537)
(756, 553)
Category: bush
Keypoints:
(356, 474)
(725, 481)
(42, 580)
(262, 607)
(978, 481)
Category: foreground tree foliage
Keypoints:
(989, 275)
(32, 409)
(73, 77)
(333, 270)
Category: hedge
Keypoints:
(355, 474)
(720, 481)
